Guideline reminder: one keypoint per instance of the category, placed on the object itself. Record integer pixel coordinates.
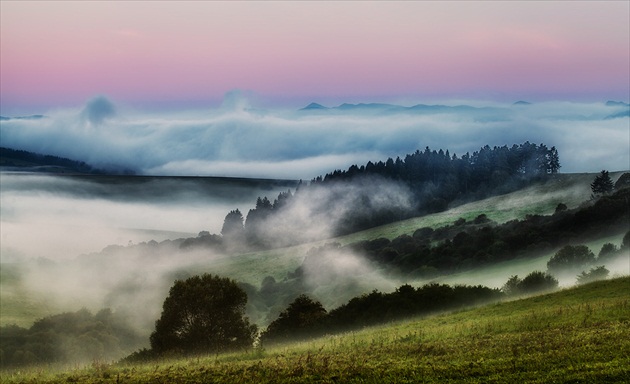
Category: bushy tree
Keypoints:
(602, 185)
(512, 286)
(607, 251)
(304, 317)
(203, 314)
(535, 282)
(571, 258)
(538, 281)
(561, 207)
(233, 224)
(597, 273)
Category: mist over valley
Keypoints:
(106, 217)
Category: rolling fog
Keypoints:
(98, 242)
(87, 241)
(243, 138)
(63, 217)
(104, 242)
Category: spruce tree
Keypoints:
(602, 185)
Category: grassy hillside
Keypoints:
(542, 199)
(22, 307)
(578, 335)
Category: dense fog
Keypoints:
(63, 217)
(242, 139)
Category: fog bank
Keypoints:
(240, 140)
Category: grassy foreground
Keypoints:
(579, 335)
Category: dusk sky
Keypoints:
(214, 88)
(168, 54)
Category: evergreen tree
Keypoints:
(554, 160)
(602, 185)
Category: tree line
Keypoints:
(306, 318)
(79, 337)
(436, 179)
(19, 158)
(464, 244)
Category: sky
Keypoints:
(176, 55)
(214, 88)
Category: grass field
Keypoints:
(577, 335)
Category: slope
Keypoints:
(576, 335)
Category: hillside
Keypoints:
(15, 160)
(538, 199)
(574, 335)
(18, 160)
(22, 305)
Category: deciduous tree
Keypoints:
(203, 314)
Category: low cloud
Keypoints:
(98, 110)
(240, 140)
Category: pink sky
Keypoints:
(148, 53)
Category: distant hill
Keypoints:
(14, 159)
(31, 117)
(617, 115)
(313, 106)
(383, 108)
(611, 103)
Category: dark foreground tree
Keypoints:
(602, 185)
(203, 314)
(303, 318)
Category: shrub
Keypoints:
(597, 273)
(538, 281)
(535, 282)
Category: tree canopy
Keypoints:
(203, 314)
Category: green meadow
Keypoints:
(577, 335)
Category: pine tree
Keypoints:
(602, 185)
(554, 160)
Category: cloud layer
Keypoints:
(240, 140)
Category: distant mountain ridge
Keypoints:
(611, 103)
(620, 114)
(394, 108)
